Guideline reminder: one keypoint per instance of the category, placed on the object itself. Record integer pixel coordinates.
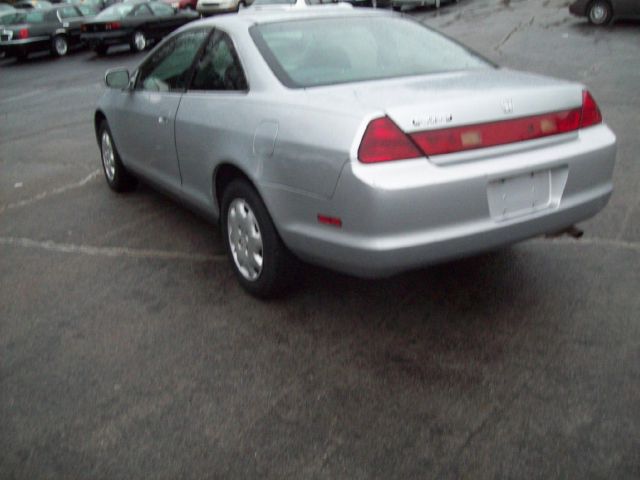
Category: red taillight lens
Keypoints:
(23, 33)
(590, 112)
(383, 141)
(113, 26)
(457, 139)
(332, 221)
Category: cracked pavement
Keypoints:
(127, 350)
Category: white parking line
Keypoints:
(48, 193)
(108, 251)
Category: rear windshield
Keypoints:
(12, 18)
(24, 17)
(116, 11)
(327, 51)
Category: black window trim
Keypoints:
(136, 87)
(235, 54)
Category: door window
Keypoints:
(219, 67)
(142, 11)
(169, 68)
(68, 12)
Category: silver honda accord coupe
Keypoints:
(359, 140)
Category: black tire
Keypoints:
(101, 50)
(135, 45)
(599, 12)
(279, 266)
(396, 8)
(59, 46)
(120, 180)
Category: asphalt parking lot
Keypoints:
(128, 350)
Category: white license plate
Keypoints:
(515, 196)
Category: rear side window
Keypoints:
(308, 53)
(161, 9)
(169, 68)
(219, 67)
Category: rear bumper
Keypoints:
(222, 7)
(13, 48)
(93, 40)
(404, 215)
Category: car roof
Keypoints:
(252, 16)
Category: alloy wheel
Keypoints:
(61, 46)
(139, 41)
(108, 156)
(245, 239)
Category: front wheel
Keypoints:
(262, 263)
(600, 12)
(138, 41)
(59, 46)
(117, 176)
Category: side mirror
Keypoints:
(117, 78)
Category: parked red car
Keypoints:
(182, 4)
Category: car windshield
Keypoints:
(314, 52)
(118, 11)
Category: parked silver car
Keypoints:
(358, 140)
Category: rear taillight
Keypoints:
(112, 26)
(457, 139)
(590, 112)
(383, 141)
(23, 33)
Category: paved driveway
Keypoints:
(127, 350)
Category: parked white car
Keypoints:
(211, 7)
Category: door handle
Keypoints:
(162, 120)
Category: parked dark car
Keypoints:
(32, 4)
(56, 30)
(601, 12)
(132, 23)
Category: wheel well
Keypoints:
(608, 2)
(98, 118)
(223, 176)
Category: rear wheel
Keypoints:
(117, 176)
(262, 263)
(599, 12)
(138, 41)
(59, 46)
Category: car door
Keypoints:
(633, 7)
(214, 122)
(143, 117)
(71, 19)
(164, 19)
